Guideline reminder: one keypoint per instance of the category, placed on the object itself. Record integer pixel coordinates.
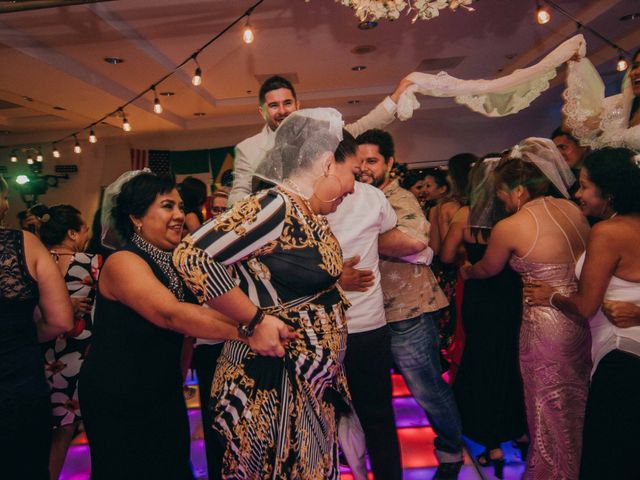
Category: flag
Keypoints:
(159, 162)
(139, 159)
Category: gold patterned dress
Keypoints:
(277, 416)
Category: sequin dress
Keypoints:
(555, 363)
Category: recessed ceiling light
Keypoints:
(28, 99)
(363, 49)
(631, 16)
(367, 25)
(353, 102)
(167, 94)
(199, 114)
(113, 60)
(358, 68)
(58, 108)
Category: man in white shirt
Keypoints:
(277, 101)
(357, 224)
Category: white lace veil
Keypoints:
(544, 154)
(110, 237)
(304, 141)
(494, 98)
(482, 194)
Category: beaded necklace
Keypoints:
(163, 259)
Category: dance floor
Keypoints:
(416, 444)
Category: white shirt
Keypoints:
(357, 223)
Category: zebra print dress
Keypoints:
(277, 416)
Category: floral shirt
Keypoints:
(409, 289)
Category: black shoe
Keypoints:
(448, 470)
(484, 460)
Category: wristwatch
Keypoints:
(245, 331)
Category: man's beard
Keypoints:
(372, 179)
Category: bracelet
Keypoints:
(551, 300)
(245, 331)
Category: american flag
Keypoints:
(156, 160)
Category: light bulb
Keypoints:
(92, 137)
(622, 64)
(156, 106)
(14, 159)
(39, 157)
(247, 34)
(29, 160)
(197, 77)
(76, 147)
(56, 153)
(542, 15)
(125, 124)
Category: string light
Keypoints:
(39, 156)
(56, 152)
(197, 76)
(156, 101)
(542, 14)
(77, 148)
(29, 160)
(14, 157)
(247, 33)
(622, 64)
(92, 137)
(126, 126)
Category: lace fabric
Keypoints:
(16, 284)
(494, 98)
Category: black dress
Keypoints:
(25, 410)
(130, 387)
(488, 387)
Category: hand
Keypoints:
(271, 336)
(354, 280)
(622, 314)
(464, 270)
(402, 86)
(81, 306)
(537, 294)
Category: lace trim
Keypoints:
(163, 259)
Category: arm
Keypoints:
(599, 266)
(434, 234)
(241, 174)
(382, 115)
(622, 314)
(394, 243)
(55, 305)
(455, 236)
(497, 255)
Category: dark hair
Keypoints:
(459, 166)
(346, 148)
(57, 221)
(559, 132)
(617, 175)
(275, 82)
(412, 177)
(38, 210)
(136, 197)
(514, 171)
(193, 193)
(439, 176)
(381, 139)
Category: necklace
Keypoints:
(163, 259)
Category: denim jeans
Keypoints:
(415, 350)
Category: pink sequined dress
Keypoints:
(555, 363)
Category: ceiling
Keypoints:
(55, 81)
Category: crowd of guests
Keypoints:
(304, 294)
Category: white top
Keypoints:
(605, 336)
(357, 223)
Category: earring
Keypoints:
(325, 178)
(138, 229)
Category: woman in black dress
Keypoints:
(29, 278)
(131, 380)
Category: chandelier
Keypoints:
(390, 9)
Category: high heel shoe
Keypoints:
(484, 460)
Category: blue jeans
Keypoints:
(415, 350)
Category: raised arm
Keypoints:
(55, 305)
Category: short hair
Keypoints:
(346, 148)
(559, 132)
(615, 172)
(275, 82)
(411, 177)
(193, 192)
(57, 221)
(515, 171)
(381, 139)
(136, 197)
